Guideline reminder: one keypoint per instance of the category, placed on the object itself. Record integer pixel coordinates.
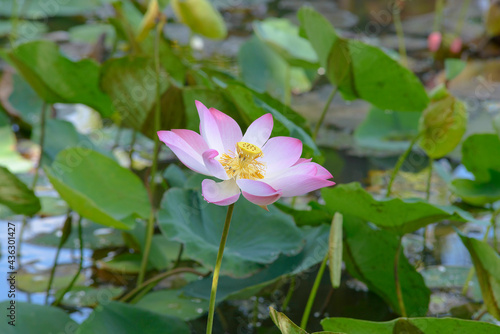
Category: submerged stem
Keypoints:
(218, 262)
(323, 113)
(152, 187)
(80, 266)
(312, 295)
(399, 163)
(399, 292)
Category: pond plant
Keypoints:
(239, 241)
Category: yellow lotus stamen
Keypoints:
(244, 164)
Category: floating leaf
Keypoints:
(487, 264)
(57, 79)
(360, 70)
(398, 215)
(35, 319)
(39, 281)
(126, 263)
(98, 188)
(170, 302)
(115, 317)
(86, 296)
(409, 325)
(16, 195)
(387, 130)
(185, 217)
(369, 256)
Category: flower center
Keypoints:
(244, 164)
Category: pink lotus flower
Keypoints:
(434, 41)
(262, 169)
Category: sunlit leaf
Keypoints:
(487, 264)
(201, 17)
(186, 217)
(9, 157)
(98, 188)
(115, 317)
(398, 215)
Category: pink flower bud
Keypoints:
(434, 41)
(456, 45)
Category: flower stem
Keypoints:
(37, 172)
(312, 295)
(152, 187)
(323, 113)
(399, 163)
(428, 193)
(58, 251)
(399, 32)
(399, 292)
(68, 288)
(289, 294)
(218, 262)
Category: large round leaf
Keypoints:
(398, 215)
(256, 236)
(122, 318)
(58, 79)
(98, 188)
(35, 319)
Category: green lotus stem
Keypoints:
(218, 262)
(289, 294)
(461, 17)
(132, 143)
(152, 187)
(158, 278)
(323, 113)
(399, 292)
(312, 295)
(58, 251)
(428, 193)
(80, 266)
(472, 270)
(399, 32)
(438, 15)
(399, 163)
(37, 171)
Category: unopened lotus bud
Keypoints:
(442, 124)
(493, 19)
(434, 41)
(148, 21)
(456, 45)
(201, 17)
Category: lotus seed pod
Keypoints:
(201, 17)
(434, 41)
(442, 125)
